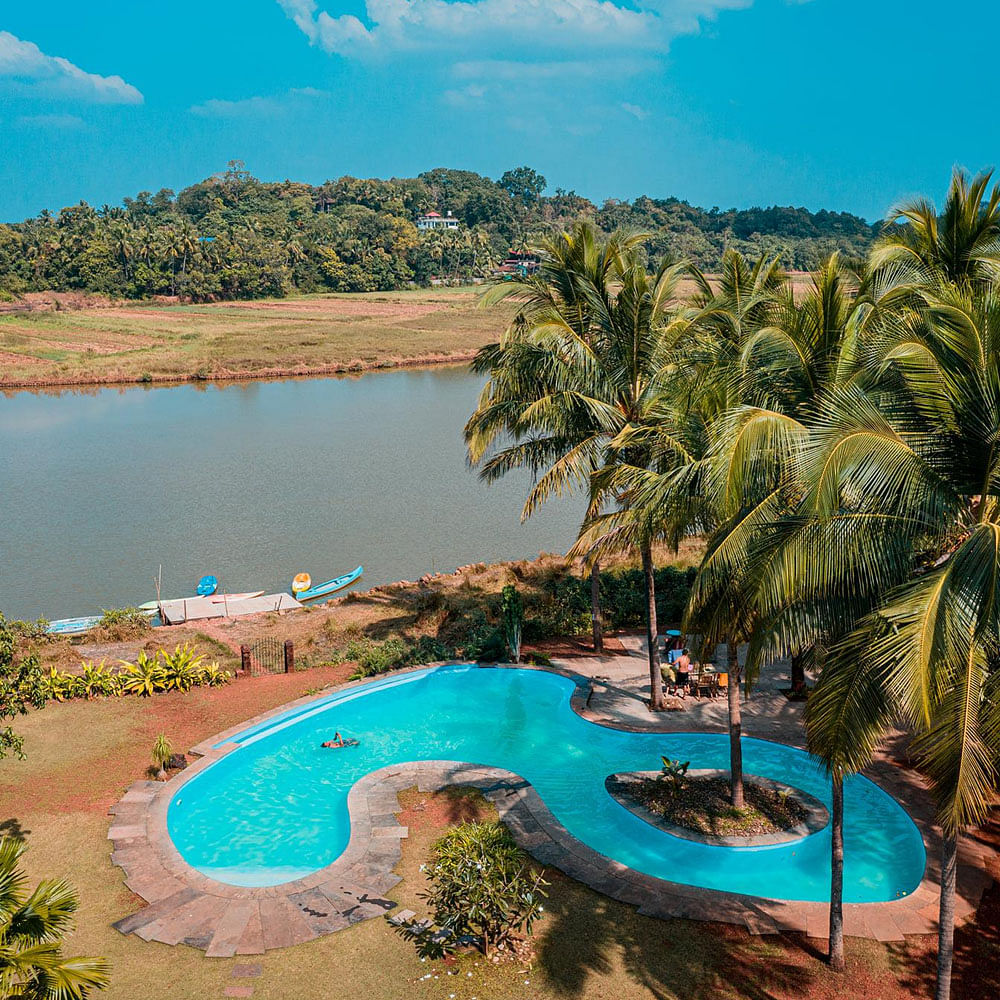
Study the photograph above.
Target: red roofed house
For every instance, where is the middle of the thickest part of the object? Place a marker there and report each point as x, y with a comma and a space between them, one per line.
435, 220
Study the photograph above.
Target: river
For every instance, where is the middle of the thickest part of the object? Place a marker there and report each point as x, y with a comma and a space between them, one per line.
252, 482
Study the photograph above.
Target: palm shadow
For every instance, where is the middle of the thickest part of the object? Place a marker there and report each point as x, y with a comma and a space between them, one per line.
587, 934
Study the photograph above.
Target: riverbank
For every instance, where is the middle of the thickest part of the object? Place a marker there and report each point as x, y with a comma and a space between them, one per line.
78, 342
446, 608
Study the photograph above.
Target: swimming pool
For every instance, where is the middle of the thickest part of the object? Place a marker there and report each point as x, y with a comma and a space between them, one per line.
275, 808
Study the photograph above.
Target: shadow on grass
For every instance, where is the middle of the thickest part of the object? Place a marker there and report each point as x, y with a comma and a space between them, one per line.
976, 969
587, 935
12, 828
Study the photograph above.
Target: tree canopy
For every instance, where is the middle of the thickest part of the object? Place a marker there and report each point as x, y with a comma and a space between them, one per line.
233, 236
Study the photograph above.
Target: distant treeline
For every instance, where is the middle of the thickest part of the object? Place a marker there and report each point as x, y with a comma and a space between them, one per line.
235, 237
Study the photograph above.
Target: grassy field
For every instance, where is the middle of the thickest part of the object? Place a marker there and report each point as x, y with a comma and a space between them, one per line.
62, 339
83, 755
305, 335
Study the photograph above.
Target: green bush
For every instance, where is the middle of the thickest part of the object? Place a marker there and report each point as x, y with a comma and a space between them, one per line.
96, 680
121, 624
36, 631
482, 886
58, 685
512, 621
182, 669
375, 658
144, 677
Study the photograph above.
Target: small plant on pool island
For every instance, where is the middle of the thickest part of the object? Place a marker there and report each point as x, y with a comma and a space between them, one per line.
31, 961
673, 774
162, 752
512, 621
483, 890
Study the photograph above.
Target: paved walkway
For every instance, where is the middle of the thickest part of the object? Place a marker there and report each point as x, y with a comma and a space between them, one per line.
620, 695
224, 920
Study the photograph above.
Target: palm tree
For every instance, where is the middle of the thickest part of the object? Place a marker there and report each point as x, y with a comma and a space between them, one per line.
521, 376
580, 376
918, 448
32, 926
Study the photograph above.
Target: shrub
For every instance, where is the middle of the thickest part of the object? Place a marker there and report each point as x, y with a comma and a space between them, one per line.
182, 669
162, 752
375, 658
95, 680
512, 620
673, 774
144, 677
121, 624
482, 886
58, 685
36, 631
483, 642
213, 676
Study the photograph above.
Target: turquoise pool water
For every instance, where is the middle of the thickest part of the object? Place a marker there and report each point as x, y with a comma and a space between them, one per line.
275, 809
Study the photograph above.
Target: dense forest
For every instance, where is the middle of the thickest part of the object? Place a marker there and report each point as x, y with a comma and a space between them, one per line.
233, 236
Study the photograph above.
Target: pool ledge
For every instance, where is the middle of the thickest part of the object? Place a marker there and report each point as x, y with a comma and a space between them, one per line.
185, 906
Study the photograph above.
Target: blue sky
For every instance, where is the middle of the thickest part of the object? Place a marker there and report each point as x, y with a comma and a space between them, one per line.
844, 104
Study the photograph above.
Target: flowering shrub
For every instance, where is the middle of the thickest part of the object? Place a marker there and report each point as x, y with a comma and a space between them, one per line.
482, 887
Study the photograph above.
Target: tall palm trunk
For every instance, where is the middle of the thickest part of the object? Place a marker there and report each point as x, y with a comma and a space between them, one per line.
798, 674
735, 727
655, 680
946, 916
837, 874
595, 607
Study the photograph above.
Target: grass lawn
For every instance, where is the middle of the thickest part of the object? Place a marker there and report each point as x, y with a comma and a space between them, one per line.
82, 756
302, 335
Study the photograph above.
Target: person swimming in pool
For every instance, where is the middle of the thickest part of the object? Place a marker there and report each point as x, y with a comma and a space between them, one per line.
337, 742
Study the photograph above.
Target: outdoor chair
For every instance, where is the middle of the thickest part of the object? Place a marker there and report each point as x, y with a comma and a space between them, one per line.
721, 683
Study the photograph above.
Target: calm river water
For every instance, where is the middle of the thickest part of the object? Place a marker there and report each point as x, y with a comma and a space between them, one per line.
253, 482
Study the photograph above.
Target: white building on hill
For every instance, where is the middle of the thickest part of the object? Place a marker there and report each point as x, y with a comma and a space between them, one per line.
435, 220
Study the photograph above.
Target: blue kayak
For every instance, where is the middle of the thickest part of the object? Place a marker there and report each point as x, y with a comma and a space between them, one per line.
330, 587
73, 626
207, 586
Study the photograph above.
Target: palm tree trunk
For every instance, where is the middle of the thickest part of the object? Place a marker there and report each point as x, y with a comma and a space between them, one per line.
735, 727
595, 607
655, 680
946, 916
798, 676
837, 875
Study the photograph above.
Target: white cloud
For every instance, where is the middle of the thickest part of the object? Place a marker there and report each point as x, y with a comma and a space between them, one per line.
520, 25
255, 107
32, 71
635, 111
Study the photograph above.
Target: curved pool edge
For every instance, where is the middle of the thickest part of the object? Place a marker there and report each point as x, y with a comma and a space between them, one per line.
188, 906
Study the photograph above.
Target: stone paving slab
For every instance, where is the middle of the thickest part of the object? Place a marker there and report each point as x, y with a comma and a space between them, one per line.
224, 920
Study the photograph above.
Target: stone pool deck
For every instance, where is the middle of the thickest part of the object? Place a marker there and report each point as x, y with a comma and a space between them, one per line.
187, 907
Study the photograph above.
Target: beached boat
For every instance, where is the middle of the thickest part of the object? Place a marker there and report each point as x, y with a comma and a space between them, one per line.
207, 586
330, 587
300, 582
73, 626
